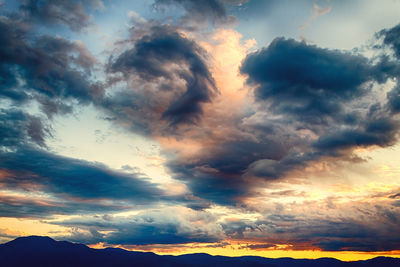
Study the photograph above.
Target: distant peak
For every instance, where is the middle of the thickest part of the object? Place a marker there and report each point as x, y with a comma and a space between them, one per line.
34, 238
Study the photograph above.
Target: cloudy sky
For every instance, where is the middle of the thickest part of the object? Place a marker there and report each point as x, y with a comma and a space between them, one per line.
230, 127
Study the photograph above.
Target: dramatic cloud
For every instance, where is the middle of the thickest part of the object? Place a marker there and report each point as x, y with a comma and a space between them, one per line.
170, 81
18, 129
69, 13
13, 206
320, 91
381, 132
309, 82
47, 68
75, 178
217, 175
394, 99
168, 226
361, 231
391, 38
66, 185
310, 106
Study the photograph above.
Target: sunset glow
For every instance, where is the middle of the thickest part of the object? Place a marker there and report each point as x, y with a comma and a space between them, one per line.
228, 127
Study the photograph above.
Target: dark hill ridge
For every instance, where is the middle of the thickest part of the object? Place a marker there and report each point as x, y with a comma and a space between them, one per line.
44, 251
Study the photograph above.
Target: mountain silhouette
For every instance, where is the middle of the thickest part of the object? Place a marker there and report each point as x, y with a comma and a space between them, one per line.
46, 252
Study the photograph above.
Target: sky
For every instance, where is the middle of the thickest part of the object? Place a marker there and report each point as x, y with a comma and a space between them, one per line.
229, 127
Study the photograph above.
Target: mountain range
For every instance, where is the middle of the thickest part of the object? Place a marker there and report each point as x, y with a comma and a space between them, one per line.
45, 252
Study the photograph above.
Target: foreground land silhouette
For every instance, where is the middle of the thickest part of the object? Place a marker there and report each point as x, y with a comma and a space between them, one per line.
44, 252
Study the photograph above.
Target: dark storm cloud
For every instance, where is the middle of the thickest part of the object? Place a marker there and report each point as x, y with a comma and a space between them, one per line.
157, 233
51, 107
48, 67
10, 46
174, 67
48, 70
391, 38
69, 13
393, 98
218, 175
381, 132
233, 157
333, 143
309, 82
274, 169
18, 128
355, 235
36, 130
210, 184
69, 177
322, 91
30, 207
